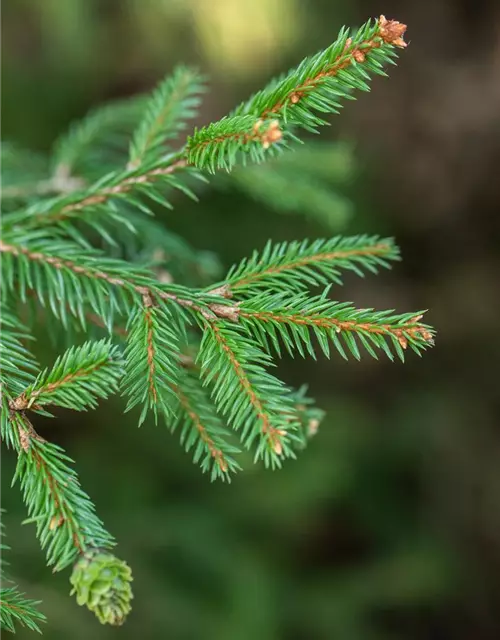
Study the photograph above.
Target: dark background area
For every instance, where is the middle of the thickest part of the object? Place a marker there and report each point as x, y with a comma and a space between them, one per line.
388, 526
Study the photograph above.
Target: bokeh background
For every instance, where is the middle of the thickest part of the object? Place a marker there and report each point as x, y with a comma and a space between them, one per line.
388, 526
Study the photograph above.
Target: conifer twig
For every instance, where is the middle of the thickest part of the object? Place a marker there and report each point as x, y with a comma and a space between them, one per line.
301, 258
131, 284
273, 435
216, 453
15, 607
65, 518
122, 187
173, 102
388, 32
235, 366
266, 137
410, 328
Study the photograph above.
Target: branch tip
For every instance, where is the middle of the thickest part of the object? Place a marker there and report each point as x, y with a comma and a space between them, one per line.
392, 32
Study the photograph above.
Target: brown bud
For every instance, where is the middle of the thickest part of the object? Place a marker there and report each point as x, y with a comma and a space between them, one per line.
272, 134
19, 404
147, 299
427, 336
358, 55
224, 291
25, 440
391, 31
226, 311
403, 341
348, 43
276, 440
56, 521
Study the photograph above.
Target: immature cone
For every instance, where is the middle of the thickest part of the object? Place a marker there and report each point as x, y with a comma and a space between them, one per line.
102, 583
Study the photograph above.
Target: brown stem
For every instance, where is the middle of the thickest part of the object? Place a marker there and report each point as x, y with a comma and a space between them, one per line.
63, 514
215, 452
411, 328
211, 311
148, 303
70, 377
123, 187
273, 435
271, 134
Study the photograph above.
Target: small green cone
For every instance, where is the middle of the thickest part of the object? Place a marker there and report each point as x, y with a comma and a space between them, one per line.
102, 582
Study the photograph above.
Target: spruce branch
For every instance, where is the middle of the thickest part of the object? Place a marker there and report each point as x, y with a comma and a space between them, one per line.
71, 278
253, 401
186, 403
66, 523
297, 265
117, 186
174, 101
15, 607
100, 139
17, 364
321, 81
314, 86
152, 360
125, 184
249, 131
270, 316
78, 378
67, 526
67, 276
220, 145
202, 429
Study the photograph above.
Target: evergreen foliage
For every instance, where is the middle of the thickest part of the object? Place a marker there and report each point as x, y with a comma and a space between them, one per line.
296, 183
198, 356
174, 101
14, 606
97, 143
66, 524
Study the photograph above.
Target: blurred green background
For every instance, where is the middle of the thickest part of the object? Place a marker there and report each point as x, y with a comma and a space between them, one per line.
388, 526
